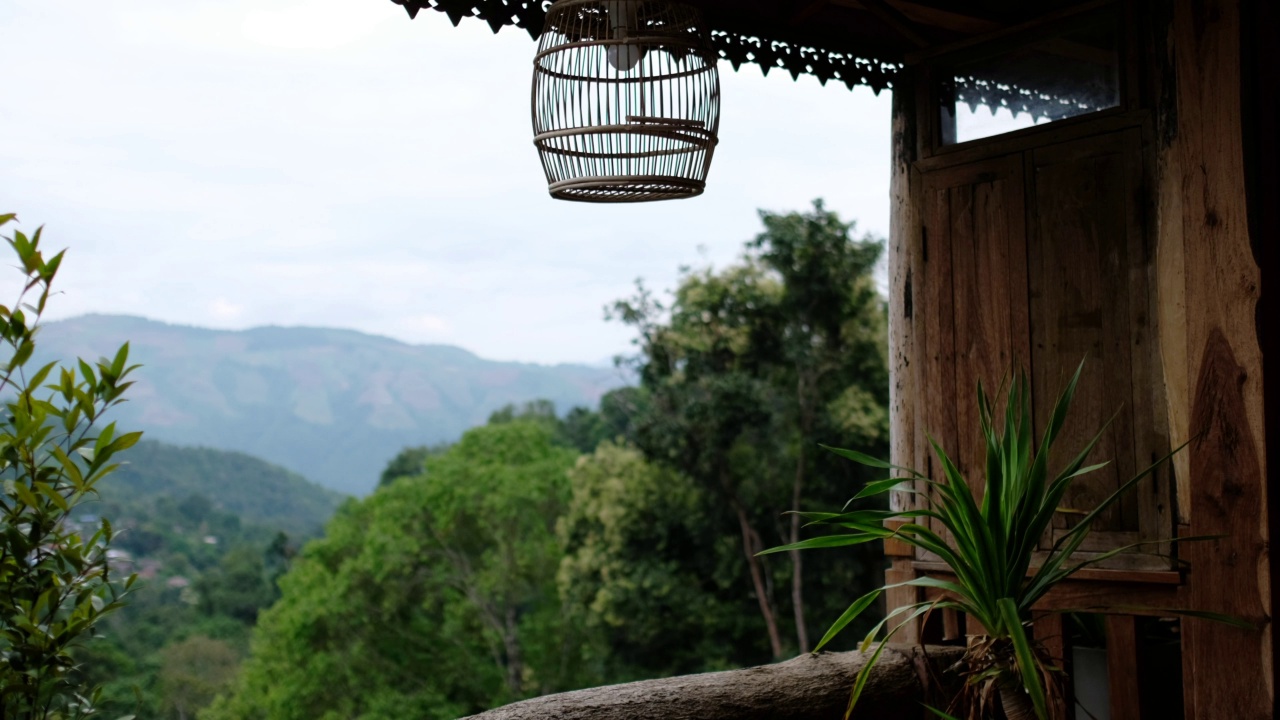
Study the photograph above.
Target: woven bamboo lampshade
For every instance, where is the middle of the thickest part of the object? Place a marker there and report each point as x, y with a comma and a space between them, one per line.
626, 100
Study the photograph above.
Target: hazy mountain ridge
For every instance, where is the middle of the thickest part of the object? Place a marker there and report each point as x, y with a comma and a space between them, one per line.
332, 405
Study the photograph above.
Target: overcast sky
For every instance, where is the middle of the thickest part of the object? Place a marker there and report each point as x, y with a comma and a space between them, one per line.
233, 163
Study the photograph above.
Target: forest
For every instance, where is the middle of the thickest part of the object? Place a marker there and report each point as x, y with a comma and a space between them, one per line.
540, 552
543, 553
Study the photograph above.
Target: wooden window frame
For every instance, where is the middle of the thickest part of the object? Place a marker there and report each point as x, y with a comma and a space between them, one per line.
930, 63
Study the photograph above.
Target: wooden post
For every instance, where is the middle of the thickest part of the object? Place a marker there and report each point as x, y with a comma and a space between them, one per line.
903, 396
1261, 115
1122, 667
1051, 633
1229, 672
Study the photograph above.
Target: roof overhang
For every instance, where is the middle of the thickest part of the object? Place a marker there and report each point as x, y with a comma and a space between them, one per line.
855, 42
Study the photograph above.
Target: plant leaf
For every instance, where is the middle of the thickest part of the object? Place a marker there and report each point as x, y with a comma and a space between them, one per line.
1024, 655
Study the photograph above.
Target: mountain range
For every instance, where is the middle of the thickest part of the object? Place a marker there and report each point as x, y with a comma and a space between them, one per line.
332, 405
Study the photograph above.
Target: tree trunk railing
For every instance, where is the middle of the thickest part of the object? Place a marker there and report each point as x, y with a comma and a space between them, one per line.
809, 687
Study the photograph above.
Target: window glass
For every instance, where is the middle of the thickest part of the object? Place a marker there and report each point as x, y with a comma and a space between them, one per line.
1068, 74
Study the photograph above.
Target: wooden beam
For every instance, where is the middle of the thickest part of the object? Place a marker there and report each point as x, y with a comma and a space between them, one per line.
1046, 23
896, 20
932, 17
808, 10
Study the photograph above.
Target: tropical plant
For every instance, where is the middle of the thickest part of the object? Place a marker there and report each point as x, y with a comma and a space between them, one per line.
55, 578
989, 546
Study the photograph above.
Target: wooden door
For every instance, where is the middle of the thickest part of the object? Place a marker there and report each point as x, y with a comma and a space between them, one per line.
975, 300
1088, 268
1036, 259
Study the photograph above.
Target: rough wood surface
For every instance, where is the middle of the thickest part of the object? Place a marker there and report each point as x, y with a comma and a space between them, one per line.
904, 233
1090, 299
904, 241
1228, 671
806, 688
1123, 667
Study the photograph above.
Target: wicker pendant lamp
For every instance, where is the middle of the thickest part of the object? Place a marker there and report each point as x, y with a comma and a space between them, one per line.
626, 100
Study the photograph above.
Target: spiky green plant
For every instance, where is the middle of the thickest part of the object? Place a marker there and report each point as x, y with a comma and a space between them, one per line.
989, 547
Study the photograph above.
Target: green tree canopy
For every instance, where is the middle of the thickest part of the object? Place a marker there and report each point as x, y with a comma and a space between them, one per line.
645, 570
746, 370
432, 598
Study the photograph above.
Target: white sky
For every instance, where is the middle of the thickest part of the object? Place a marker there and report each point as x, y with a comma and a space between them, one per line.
232, 163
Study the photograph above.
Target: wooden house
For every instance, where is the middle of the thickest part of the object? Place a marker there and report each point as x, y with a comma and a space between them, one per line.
1123, 206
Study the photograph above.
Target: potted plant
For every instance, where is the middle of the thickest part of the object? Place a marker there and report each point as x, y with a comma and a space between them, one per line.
989, 546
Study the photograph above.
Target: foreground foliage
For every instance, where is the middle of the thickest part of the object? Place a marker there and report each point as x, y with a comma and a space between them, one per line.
56, 583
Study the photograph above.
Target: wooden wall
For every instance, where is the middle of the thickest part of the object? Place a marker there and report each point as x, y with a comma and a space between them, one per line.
1192, 306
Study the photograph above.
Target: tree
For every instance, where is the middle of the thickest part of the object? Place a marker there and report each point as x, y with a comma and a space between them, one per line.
748, 368
56, 583
642, 570
827, 329
193, 672
432, 598
238, 588
407, 463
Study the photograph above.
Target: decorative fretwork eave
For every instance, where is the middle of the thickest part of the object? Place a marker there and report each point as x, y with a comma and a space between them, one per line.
853, 42
785, 49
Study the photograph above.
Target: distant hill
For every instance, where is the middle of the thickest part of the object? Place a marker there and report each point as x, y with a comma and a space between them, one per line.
202, 530
253, 490
332, 405
167, 499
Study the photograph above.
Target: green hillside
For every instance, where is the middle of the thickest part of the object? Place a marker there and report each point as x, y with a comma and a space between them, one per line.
332, 405
255, 491
207, 532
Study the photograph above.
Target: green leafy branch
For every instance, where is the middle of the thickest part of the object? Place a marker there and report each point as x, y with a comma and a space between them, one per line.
55, 583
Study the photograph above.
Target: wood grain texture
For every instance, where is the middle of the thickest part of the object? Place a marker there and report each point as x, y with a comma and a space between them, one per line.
1079, 248
900, 571
1122, 667
989, 277
1050, 632
1090, 300
1229, 671
1170, 277
935, 334
1155, 261
1230, 668
807, 688
975, 300
904, 251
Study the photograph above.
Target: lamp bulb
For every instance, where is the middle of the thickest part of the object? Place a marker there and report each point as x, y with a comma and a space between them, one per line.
625, 58
622, 17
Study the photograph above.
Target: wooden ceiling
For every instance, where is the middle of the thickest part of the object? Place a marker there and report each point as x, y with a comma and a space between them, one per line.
857, 42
